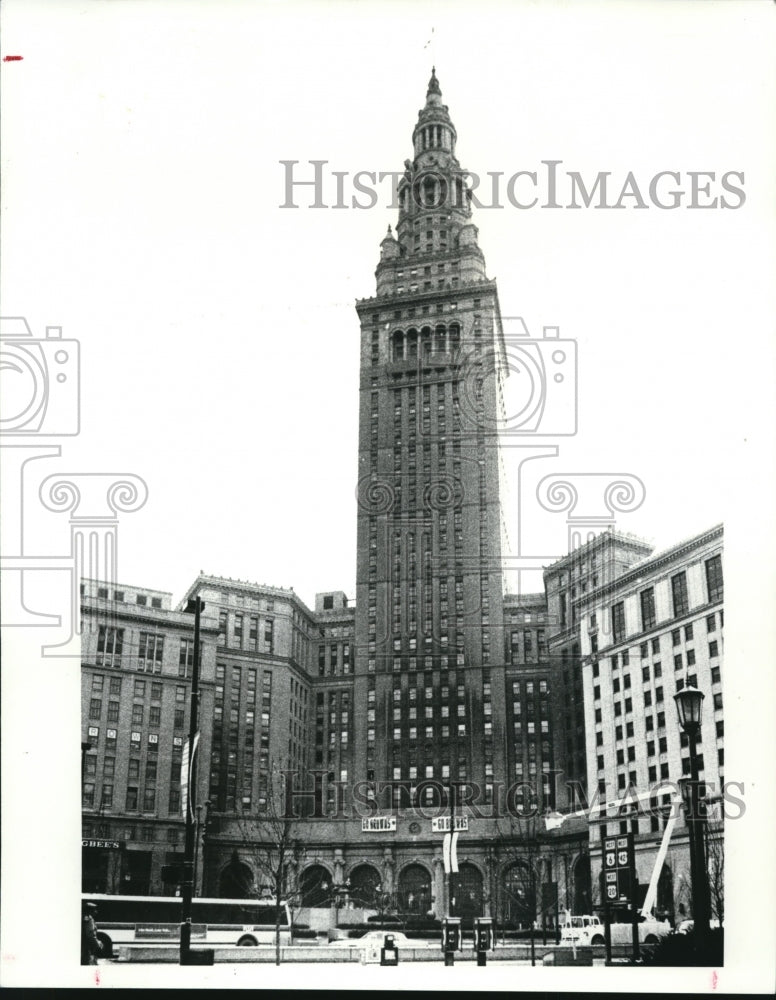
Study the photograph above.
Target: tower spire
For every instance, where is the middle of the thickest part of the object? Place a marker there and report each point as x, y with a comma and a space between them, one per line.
434, 90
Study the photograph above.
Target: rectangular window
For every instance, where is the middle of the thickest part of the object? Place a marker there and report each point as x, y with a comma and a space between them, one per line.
618, 622
714, 578
679, 593
110, 642
150, 652
647, 609
185, 657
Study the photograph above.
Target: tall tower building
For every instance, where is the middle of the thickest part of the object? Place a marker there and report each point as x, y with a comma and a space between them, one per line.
429, 632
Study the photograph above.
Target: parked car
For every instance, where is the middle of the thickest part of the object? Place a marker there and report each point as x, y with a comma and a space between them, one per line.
376, 939
685, 926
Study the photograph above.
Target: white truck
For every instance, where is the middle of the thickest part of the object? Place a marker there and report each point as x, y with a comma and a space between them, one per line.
587, 930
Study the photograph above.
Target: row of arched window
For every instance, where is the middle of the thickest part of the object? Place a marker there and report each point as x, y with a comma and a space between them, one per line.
412, 344
413, 894
433, 190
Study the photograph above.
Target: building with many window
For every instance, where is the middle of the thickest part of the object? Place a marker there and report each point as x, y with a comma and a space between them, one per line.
433, 678
137, 655
645, 635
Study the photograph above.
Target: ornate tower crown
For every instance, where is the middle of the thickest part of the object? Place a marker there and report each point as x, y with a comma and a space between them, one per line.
434, 197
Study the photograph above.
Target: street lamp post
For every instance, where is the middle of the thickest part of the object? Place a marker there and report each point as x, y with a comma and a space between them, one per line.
689, 706
195, 604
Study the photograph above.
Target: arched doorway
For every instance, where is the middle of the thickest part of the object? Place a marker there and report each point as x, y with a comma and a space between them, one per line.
518, 907
583, 899
466, 893
414, 890
316, 886
364, 880
236, 881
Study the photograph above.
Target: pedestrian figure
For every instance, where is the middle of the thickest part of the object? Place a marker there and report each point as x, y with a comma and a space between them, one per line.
90, 943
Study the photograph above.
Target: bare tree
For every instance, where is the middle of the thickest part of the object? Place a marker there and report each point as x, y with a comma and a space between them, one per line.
523, 849
270, 839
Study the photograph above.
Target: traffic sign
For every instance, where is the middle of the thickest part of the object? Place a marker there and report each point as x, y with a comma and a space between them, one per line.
617, 855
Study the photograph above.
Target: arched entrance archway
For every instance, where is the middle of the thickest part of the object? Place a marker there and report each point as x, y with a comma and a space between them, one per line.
518, 907
466, 893
583, 898
414, 889
236, 881
316, 886
364, 880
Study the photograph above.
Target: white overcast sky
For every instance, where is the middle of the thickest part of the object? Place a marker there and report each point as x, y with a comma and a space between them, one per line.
218, 332
219, 340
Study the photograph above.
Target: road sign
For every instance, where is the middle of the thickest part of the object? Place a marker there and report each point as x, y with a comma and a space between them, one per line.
617, 853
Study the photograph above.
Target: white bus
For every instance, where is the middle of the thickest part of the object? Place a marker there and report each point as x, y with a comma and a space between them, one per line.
156, 920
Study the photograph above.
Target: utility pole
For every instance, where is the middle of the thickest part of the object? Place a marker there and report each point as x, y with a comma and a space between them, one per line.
195, 604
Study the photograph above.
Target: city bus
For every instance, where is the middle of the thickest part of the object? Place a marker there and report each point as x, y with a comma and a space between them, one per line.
156, 920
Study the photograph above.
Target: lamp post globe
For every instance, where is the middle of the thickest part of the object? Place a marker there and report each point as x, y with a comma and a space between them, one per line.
689, 708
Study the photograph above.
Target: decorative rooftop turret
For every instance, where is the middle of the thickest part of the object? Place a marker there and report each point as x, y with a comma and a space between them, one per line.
434, 201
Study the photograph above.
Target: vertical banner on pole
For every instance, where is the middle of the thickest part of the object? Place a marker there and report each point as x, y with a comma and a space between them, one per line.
188, 785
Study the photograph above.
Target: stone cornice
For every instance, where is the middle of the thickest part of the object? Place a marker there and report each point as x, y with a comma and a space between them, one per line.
462, 290
650, 566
